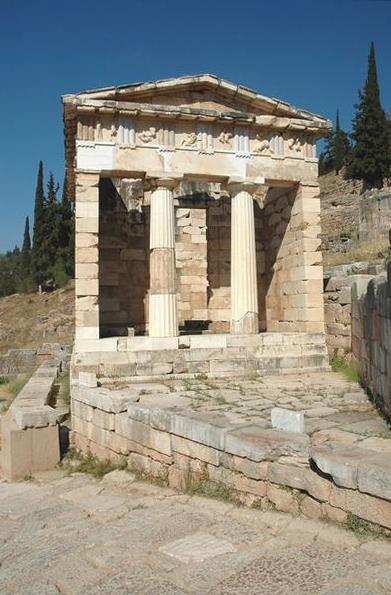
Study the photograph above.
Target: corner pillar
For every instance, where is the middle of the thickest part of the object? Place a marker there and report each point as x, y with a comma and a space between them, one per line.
86, 256
244, 291
162, 292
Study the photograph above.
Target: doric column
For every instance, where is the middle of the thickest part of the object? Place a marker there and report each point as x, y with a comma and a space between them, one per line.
244, 291
162, 295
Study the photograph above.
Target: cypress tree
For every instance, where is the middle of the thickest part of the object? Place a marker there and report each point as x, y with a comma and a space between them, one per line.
25, 258
51, 225
68, 231
336, 152
371, 155
340, 146
39, 260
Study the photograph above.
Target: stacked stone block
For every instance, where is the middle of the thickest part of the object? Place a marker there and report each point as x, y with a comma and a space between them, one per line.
87, 258
371, 335
337, 311
191, 262
123, 265
259, 467
219, 264
294, 271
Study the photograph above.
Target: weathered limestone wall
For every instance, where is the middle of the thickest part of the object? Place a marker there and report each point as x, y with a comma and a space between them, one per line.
294, 271
337, 312
375, 215
142, 357
19, 361
191, 262
123, 264
219, 264
259, 467
371, 335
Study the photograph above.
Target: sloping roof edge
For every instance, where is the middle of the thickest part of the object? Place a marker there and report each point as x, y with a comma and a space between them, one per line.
276, 106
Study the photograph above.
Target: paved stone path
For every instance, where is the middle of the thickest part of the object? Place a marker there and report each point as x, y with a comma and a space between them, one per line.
75, 534
329, 401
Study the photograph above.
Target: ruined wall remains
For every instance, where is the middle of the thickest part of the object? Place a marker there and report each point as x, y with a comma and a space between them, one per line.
337, 314
375, 215
371, 335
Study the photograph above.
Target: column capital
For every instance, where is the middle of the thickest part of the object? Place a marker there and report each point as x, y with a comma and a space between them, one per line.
235, 185
163, 180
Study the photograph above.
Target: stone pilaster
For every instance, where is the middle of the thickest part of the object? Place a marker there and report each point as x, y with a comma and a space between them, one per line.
87, 256
244, 293
162, 294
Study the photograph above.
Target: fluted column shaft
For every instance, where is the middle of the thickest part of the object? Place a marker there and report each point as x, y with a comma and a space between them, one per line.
244, 290
162, 295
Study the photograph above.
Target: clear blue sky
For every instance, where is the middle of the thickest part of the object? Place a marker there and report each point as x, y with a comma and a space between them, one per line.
308, 52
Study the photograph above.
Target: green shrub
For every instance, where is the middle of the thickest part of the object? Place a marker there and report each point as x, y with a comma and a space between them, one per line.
345, 367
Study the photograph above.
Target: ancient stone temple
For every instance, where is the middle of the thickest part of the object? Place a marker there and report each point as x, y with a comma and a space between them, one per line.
197, 229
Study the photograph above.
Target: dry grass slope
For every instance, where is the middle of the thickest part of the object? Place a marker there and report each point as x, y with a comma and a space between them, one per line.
26, 320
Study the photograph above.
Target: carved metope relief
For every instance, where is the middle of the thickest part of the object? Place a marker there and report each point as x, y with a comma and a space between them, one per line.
225, 138
190, 140
148, 135
294, 145
263, 145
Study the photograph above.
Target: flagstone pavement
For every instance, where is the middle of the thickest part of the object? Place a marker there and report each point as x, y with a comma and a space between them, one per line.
74, 534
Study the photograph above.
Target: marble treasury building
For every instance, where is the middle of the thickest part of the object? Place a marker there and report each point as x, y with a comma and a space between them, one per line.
197, 230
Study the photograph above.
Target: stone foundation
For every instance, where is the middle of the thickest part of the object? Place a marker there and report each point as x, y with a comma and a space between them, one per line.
137, 358
163, 439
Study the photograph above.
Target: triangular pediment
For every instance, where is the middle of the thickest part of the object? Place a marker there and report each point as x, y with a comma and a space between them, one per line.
201, 92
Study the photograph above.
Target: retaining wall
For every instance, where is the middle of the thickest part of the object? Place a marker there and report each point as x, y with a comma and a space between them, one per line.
371, 335
259, 467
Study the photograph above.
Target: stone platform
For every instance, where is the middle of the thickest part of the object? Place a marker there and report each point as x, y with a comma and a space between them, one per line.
140, 358
202, 432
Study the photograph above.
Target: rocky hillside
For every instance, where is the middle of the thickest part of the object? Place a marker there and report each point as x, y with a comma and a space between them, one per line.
32, 319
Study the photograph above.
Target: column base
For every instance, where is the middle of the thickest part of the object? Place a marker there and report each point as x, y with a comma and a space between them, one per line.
248, 325
163, 315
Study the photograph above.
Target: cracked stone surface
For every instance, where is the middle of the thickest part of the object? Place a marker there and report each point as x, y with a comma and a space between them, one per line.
76, 534
334, 408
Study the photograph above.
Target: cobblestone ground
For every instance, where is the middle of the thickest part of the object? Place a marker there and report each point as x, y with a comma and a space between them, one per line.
75, 534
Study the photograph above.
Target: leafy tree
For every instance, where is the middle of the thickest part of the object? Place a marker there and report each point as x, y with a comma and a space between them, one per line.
9, 272
371, 155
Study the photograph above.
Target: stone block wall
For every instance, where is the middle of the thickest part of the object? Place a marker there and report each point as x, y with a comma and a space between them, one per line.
191, 262
123, 264
371, 335
294, 271
258, 467
375, 215
337, 312
112, 260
